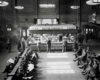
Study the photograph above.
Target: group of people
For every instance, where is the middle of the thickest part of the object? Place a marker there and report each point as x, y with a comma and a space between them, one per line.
28, 66
88, 61
48, 40
11, 64
21, 44
48, 45
64, 45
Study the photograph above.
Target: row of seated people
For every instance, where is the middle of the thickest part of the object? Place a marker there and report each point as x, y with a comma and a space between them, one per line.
28, 67
11, 64
89, 62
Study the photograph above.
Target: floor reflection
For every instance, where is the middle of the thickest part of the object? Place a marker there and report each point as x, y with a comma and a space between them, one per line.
57, 63
59, 68
60, 71
57, 55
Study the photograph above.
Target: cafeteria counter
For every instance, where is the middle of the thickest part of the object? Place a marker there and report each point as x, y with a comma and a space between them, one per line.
57, 46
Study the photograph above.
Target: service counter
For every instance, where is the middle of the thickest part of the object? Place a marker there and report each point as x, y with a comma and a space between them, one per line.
55, 46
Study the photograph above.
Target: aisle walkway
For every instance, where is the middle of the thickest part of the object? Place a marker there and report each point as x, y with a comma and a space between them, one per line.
58, 66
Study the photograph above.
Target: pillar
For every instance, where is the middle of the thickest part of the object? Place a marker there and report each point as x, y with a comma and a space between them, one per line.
26, 33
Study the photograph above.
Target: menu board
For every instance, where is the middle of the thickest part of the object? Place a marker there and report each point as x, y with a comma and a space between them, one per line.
52, 27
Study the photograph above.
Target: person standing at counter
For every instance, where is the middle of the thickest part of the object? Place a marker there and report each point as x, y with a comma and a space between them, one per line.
24, 43
64, 44
38, 45
49, 45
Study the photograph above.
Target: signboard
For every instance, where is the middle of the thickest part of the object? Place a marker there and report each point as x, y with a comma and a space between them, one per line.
52, 27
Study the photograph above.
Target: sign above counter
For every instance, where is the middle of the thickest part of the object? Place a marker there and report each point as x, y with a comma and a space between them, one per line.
52, 27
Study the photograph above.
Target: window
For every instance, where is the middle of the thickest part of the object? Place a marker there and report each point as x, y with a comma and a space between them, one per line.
47, 21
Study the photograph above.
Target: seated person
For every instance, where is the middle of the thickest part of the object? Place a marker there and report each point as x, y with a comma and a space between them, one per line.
90, 52
10, 66
78, 52
92, 70
81, 58
75, 46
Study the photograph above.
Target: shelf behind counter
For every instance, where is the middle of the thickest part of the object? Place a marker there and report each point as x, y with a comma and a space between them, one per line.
55, 46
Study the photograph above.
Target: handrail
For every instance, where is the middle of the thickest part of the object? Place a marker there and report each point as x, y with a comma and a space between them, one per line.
10, 75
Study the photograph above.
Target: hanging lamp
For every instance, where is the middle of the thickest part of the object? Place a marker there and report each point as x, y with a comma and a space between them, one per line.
3, 3
75, 7
18, 6
90, 2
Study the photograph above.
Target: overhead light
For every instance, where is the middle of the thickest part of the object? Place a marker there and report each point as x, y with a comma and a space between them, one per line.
90, 2
94, 14
3, 3
97, 1
47, 5
19, 7
74, 7
8, 29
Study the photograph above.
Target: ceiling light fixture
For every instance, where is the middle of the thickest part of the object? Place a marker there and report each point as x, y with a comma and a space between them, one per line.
47, 5
96, 1
75, 7
3, 3
90, 2
19, 7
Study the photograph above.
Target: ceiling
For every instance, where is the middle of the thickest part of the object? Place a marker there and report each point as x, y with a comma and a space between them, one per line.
31, 11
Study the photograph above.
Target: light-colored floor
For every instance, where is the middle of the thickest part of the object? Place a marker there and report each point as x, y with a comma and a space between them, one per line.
52, 66
58, 66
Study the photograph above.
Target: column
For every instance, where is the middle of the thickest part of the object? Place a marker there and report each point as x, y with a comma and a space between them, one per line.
21, 32
26, 33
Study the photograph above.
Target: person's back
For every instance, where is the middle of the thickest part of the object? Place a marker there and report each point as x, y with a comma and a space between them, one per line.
80, 39
64, 43
38, 45
23, 43
49, 43
79, 53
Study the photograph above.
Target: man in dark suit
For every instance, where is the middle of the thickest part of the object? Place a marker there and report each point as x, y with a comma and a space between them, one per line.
49, 45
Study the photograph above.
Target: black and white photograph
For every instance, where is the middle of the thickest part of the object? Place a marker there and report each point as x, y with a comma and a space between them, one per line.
49, 39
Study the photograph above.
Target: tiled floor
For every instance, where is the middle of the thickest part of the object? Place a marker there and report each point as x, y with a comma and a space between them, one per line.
52, 66
58, 66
